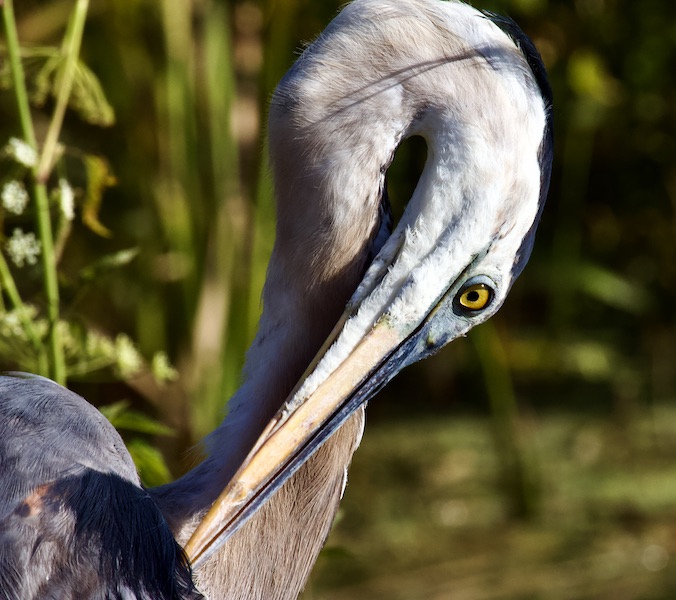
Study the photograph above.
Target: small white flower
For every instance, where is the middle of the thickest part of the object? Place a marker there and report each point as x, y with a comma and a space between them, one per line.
10, 325
129, 360
67, 197
23, 248
99, 346
21, 152
14, 197
162, 369
12, 322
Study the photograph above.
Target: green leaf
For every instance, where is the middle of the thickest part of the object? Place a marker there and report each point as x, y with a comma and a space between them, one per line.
113, 411
612, 289
589, 77
87, 97
108, 263
121, 417
88, 100
99, 177
150, 463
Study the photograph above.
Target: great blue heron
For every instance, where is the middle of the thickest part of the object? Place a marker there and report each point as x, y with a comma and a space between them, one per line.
75, 521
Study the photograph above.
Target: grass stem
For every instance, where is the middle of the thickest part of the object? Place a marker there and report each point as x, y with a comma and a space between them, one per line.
23, 107
16, 68
7, 283
71, 50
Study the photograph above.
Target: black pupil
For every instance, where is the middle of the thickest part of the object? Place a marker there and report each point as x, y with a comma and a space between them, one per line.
473, 296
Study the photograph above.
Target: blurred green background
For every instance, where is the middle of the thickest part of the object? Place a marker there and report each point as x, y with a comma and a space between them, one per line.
534, 459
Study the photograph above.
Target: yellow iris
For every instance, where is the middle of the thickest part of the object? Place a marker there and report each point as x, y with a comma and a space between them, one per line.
475, 297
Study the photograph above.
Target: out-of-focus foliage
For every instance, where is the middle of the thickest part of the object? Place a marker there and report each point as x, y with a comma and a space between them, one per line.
587, 333
422, 518
43, 71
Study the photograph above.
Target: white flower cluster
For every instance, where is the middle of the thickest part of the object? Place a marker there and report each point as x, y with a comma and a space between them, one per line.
23, 248
162, 369
67, 198
99, 345
21, 152
14, 197
11, 325
129, 360
121, 353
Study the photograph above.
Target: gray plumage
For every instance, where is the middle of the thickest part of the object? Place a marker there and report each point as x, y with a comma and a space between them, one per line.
74, 519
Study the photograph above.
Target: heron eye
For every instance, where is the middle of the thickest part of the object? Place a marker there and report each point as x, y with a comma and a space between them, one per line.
475, 297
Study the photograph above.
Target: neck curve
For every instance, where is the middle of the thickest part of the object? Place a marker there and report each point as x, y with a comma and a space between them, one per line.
335, 122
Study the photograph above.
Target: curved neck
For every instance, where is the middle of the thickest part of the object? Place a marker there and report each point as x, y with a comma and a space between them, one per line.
335, 122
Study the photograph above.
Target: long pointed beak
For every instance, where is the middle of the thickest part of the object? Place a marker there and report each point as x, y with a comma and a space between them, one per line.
312, 413
321, 402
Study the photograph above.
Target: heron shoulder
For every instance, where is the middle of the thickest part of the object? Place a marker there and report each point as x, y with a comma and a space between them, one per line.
73, 515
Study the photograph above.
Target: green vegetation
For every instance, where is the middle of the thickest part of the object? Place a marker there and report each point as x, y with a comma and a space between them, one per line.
421, 518
533, 460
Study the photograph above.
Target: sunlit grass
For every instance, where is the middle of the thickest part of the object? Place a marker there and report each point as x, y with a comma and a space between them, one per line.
424, 517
